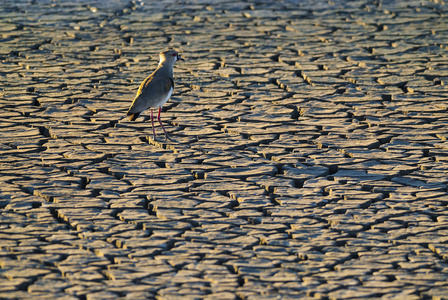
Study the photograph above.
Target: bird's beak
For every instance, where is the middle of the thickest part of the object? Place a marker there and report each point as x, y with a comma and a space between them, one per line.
180, 58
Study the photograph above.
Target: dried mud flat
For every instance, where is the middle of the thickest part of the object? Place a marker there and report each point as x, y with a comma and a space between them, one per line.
310, 159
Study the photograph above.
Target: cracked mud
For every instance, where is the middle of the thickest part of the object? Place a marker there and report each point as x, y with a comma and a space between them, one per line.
310, 154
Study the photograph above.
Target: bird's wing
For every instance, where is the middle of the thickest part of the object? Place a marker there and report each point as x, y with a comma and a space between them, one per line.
151, 91
155, 88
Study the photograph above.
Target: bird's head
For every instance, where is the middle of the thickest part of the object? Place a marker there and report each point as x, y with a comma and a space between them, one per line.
170, 56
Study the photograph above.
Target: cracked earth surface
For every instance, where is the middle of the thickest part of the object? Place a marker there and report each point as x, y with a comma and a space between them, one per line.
309, 162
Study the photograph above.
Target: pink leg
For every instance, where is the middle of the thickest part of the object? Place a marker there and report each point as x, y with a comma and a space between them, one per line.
158, 118
152, 122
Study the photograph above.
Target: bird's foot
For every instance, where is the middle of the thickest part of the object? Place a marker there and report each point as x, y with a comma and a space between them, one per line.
170, 139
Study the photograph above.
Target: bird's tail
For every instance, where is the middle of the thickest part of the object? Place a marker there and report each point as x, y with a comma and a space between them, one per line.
133, 116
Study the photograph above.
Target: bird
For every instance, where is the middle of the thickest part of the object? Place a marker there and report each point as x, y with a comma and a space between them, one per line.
156, 89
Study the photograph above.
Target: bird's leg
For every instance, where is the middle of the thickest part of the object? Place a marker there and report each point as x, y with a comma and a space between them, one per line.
158, 118
153, 130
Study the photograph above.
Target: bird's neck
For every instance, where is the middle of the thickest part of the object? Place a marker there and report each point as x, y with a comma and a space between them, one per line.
168, 67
